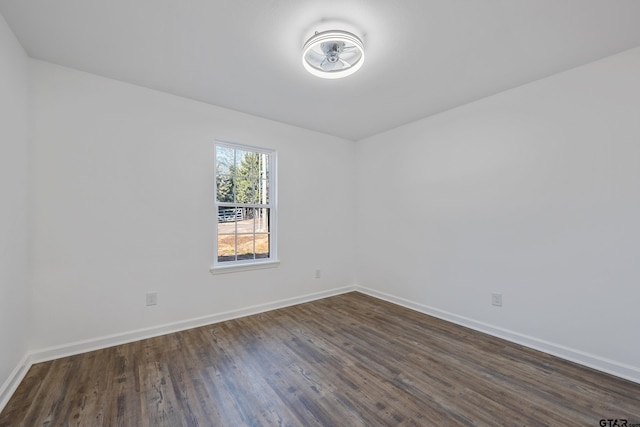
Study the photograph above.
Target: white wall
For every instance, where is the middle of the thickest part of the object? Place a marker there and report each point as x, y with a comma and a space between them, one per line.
534, 193
123, 190
14, 308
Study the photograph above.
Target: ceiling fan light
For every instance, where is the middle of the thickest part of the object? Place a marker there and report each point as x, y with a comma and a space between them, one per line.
333, 54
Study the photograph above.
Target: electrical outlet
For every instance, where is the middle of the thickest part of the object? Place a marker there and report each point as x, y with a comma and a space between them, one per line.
496, 299
152, 298
317, 274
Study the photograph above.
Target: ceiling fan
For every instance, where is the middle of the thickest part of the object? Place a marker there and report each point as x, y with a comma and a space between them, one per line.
333, 54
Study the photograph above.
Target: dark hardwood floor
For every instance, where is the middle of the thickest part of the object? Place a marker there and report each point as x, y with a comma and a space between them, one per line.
348, 360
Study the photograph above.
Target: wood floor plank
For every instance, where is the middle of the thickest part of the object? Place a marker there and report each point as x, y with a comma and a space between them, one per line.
346, 360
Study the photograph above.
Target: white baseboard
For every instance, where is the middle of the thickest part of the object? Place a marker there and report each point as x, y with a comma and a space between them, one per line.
631, 373
51, 353
612, 367
15, 378
78, 347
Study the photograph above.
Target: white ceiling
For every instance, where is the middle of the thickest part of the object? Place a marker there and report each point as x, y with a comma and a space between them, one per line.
423, 56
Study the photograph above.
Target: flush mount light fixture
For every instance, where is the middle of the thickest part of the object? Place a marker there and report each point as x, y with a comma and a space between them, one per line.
333, 54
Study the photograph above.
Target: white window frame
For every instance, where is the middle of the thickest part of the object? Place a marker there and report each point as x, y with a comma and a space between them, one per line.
219, 267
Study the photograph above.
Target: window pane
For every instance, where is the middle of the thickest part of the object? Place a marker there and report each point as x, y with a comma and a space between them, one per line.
246, 246
226, 247
244, 190
263, 192
255, 187
262, 245
263, 167
243, 162
261, 220
244, 223
224, 160
229, 215
224, 188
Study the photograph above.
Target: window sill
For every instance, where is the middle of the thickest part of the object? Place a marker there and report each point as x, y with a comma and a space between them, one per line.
244, 267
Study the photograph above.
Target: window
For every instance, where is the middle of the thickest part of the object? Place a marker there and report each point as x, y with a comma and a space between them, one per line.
245, 204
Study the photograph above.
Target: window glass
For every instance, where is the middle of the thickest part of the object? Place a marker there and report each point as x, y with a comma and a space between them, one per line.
244, 181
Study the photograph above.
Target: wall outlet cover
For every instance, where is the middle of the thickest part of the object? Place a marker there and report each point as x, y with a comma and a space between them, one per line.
152, 298
496, 299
